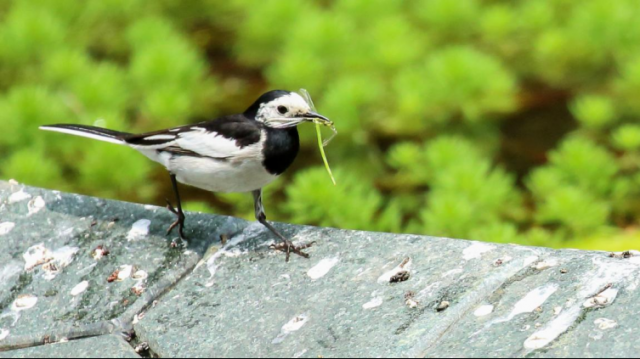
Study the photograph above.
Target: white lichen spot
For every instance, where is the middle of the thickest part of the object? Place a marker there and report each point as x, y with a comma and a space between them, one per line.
10, 270
557, 310
19, 196
549, 263
65, 255
300, 353
99, 253
531, 301
139, 230
483, 311
3, 334
62, 258
24, 302
373, 303
603, 299
530, 260
214, 253
6, 227
292, 326
402, 267
605, 324
453, 272
139, 288
36, 205
476, 250
553, 330
429, 291
411, 303
596, 335
80, 288
124, 272
140, 275
35, 256
322, 268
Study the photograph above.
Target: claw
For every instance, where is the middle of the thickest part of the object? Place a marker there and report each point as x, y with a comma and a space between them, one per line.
179, 222
287, 247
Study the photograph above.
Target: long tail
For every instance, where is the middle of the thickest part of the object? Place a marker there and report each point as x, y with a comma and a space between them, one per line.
95, 133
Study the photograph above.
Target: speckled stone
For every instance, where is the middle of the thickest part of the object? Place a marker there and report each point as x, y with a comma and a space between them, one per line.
353, 310
108, 346
81, 224
360, 294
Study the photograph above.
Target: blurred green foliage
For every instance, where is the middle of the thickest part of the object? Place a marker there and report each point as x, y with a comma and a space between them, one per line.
425, 93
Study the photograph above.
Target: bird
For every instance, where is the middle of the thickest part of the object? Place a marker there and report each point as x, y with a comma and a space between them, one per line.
234, 153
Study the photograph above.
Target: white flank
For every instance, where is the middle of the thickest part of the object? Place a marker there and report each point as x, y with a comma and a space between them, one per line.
3, 334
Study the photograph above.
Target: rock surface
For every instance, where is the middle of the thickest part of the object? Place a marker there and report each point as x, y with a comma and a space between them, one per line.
105, 346
360, 294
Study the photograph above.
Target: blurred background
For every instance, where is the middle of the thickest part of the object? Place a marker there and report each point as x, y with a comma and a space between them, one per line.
503, 121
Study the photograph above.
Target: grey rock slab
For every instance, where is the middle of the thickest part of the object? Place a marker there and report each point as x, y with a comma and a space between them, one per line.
245, 301
107, 346
51, 284
360, 294
572, 304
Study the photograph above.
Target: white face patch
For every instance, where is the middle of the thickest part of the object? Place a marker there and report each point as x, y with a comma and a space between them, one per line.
293, 106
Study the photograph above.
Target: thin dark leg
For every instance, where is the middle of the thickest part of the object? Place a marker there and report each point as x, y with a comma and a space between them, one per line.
181, 217
286, 245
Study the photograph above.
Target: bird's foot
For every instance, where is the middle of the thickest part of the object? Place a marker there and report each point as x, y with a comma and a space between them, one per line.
179, 222
288, 247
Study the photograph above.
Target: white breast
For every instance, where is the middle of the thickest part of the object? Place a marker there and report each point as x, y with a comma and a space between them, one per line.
220, 176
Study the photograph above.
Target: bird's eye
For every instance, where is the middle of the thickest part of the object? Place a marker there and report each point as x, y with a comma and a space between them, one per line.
282, 109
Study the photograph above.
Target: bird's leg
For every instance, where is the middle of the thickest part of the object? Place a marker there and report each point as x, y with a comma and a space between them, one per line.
178, 212
286, 245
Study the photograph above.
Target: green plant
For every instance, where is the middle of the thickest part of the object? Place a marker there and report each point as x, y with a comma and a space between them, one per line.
429, 97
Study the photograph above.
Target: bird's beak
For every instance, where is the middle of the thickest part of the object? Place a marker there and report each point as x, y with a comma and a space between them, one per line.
312, 116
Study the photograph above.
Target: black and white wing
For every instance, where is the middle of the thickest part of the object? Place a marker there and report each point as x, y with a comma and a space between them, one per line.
225, 138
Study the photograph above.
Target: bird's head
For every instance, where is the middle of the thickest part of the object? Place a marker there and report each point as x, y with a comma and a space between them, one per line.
283, 109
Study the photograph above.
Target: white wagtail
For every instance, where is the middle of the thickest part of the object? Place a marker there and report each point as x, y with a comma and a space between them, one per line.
235, 153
